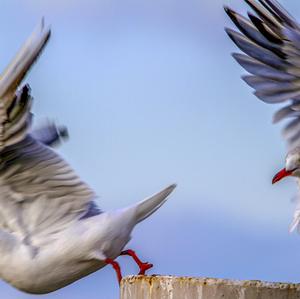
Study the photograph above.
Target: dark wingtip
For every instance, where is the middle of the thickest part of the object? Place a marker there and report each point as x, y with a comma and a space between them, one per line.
236, 55
230, 12
258, 23
227, 9
63, 132
230, 32
263, 97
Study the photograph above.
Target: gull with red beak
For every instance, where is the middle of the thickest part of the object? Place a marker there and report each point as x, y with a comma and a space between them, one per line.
270, 40
292, 166
281, 174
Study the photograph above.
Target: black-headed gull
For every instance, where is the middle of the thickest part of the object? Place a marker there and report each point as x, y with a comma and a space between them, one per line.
51, 231
270, 38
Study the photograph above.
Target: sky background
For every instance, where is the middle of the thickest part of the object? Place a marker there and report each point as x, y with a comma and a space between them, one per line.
151, 96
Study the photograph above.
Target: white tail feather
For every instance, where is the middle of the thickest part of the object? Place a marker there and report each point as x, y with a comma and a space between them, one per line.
149, 205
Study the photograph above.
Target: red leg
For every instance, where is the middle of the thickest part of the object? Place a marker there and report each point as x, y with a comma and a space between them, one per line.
143, 266
117, 268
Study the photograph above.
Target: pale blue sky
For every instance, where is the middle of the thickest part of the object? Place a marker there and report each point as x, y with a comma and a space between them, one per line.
151, 96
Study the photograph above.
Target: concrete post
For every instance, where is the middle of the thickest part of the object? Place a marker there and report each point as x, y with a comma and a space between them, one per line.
169, 287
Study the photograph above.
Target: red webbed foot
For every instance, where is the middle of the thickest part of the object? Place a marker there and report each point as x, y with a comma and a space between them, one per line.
144, 266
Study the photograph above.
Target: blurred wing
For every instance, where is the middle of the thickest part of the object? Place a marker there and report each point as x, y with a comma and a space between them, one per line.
50, 134
15, 115
40, 193
270, 39
295, 225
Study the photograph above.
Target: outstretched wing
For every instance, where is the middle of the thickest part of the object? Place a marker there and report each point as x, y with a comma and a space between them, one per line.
15, 115
50, 134
270, 39
40, 194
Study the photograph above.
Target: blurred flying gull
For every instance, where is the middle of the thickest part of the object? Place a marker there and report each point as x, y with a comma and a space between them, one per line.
270, 39
52, 232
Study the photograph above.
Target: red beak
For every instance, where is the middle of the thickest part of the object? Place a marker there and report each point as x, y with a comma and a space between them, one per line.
281, 174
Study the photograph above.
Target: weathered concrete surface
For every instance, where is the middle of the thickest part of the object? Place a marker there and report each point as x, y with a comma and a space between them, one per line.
169, 287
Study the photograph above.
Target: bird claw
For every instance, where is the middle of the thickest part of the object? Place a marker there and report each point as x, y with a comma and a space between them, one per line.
144, 267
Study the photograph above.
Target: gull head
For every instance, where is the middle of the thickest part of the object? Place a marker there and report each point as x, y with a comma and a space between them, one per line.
292, 166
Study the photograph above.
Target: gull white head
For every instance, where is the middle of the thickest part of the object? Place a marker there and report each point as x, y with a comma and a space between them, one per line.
292, 166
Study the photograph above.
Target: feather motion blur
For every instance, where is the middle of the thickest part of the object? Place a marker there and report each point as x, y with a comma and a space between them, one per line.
52, 231
270, 39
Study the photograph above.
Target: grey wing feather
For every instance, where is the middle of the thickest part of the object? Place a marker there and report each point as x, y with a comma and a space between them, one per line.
285, 112
40, 192
256, 51
15, 115
271, 43
255, 67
